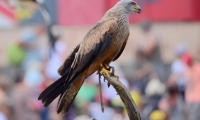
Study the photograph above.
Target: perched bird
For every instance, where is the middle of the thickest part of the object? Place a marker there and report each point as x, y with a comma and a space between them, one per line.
103, 44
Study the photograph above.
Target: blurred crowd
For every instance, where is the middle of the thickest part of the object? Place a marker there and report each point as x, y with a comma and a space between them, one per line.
161, 91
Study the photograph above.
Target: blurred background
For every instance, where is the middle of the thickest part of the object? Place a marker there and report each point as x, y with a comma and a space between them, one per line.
160, 64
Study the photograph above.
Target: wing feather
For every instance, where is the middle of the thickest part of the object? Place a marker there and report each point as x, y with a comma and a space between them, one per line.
66, 65
92, 47
122, 49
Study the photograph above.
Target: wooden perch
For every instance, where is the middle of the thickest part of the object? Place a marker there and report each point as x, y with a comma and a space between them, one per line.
125, 96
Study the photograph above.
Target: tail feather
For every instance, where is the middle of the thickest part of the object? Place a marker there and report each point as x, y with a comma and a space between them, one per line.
53, 96
51, 88
53, 91
68, 97
63, 108
59, 87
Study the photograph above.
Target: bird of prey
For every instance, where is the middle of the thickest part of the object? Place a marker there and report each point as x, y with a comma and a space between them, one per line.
103, 44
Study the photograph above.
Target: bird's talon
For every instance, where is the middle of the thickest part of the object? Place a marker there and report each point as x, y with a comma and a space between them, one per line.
112, 73
107, 67
112, 69
104, 70
116, 76
108, 84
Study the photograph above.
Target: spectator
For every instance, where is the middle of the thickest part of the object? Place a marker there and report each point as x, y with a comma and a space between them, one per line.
172, 104
5, 108
95, 110
178, 68
192, 95
25, 105
153, 93
31, 45
119, 114
152, 52
138, 71
2, 105
143, 68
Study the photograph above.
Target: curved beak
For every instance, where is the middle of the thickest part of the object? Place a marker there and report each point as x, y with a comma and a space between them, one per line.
137, 9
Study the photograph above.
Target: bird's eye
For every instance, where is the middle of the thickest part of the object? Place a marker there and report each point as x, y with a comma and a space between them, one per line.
133, 3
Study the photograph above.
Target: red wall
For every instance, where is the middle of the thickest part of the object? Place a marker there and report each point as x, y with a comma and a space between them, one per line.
81, 12
196, 9
166, 10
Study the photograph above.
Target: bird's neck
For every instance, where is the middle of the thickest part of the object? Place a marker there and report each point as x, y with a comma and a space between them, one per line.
117, 13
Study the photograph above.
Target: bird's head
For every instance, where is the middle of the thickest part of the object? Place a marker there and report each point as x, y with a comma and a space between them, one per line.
130, 6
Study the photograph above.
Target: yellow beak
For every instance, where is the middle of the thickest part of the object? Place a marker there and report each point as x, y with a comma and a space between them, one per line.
137, 9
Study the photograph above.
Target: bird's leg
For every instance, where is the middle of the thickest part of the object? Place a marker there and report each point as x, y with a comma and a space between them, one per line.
104, 69
106, 66
100, 72
112, 73
102, 106
112, 69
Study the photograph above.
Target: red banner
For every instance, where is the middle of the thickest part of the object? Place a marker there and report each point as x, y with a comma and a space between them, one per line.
78, 12
166, 10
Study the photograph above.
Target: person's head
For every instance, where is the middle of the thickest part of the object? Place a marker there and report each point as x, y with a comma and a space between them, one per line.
119, 109
180, 50
187, 59
146, 26
139, 54
172, 89
40, 30
5, 82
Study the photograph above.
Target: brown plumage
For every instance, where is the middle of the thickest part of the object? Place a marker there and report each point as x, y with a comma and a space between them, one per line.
103, 44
